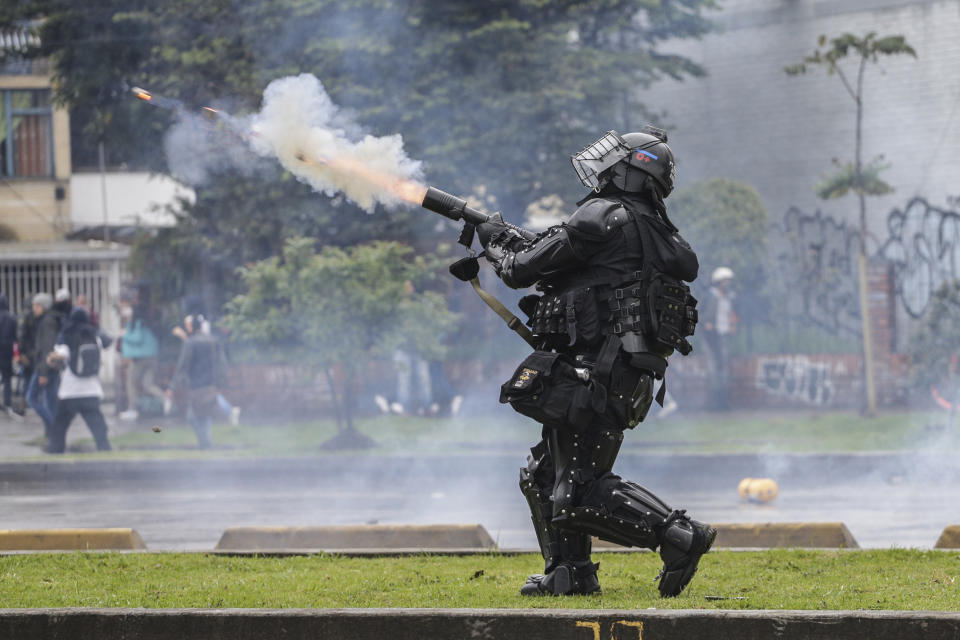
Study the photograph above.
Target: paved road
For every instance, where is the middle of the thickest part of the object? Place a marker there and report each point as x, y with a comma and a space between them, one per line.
885, 499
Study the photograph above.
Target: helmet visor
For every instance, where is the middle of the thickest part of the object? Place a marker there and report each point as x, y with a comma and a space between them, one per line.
596, 158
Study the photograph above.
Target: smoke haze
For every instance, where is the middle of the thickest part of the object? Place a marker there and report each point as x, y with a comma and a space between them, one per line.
312, 138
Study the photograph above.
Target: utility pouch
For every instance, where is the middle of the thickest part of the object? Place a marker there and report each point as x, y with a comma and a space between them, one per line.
568, 318
672, 312
587, 315
548, 388
630, 394
528, 304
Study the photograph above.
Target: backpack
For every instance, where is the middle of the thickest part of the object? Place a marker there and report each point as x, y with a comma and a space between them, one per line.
85, 355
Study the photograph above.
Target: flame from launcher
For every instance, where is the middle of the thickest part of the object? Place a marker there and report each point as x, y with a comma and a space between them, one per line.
408, 191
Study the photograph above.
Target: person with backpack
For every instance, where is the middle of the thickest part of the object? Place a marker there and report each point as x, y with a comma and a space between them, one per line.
78, 351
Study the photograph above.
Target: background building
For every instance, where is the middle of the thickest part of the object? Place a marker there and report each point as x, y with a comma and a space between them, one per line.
56, 226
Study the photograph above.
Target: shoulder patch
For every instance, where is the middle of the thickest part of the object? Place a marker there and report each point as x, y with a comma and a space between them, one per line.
598, 217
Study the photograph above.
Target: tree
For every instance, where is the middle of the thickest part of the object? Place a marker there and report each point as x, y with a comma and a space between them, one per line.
862, 179
725, 222
492, 93
337, 309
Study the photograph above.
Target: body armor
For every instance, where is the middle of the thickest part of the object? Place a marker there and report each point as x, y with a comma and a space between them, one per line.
612, 305
608, 271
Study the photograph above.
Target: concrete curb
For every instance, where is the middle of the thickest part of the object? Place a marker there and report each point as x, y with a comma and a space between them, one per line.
456, 624
70, 539
767, 535
353, 537
950, 538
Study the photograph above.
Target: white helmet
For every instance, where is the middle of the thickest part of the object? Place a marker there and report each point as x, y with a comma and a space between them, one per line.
721, 273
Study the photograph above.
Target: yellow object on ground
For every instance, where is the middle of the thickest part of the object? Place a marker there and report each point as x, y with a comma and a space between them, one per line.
758, 489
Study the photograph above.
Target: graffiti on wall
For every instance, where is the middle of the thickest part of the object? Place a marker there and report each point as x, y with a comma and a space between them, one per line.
924, 248
796, 377
818, 263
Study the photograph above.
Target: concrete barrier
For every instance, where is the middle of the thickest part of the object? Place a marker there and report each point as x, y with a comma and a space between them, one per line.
386, 537
456, 624
833, 535
765, 535
69, 539
950, 538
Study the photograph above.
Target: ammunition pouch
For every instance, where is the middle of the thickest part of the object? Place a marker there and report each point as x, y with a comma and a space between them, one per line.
550, 389
660, 308
565, 319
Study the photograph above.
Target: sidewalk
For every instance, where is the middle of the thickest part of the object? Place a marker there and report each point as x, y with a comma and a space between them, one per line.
20, 437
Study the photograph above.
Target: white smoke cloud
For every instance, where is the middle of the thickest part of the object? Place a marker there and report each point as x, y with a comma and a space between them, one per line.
300, 126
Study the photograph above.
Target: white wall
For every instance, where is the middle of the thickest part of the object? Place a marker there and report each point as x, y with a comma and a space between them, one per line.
132, 198
749, 121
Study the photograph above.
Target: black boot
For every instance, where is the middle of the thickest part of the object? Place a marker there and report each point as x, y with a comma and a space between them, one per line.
566, 579
683, 542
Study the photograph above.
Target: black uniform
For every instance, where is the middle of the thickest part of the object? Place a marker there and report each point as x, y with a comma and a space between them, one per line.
613, 307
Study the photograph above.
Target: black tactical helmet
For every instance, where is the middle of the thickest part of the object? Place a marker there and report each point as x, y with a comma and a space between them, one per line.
626, 160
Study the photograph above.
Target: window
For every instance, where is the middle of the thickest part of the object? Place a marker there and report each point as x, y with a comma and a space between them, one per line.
26, 133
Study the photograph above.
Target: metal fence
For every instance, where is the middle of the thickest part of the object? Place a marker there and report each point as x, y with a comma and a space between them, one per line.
97, 277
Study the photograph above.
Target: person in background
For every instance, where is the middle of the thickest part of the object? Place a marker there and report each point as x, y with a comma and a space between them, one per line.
229, 411
719, 324
8, 336
42, 392
77, 352
26, 345
62, 304
201, 368
82, 301
139, 348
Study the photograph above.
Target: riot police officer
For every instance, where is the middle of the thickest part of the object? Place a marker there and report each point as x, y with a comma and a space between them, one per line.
613, 304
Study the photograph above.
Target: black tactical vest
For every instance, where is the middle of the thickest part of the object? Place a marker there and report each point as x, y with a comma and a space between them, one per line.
633, 286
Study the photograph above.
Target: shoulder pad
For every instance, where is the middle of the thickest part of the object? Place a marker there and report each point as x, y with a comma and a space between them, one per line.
598, 217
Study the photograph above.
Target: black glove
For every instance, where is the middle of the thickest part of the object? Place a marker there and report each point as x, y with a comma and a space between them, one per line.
492, 228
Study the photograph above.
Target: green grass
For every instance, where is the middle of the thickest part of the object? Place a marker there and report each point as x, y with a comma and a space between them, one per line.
767, 432
776, 579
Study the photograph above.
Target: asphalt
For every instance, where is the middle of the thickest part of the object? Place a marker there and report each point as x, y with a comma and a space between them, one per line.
885, 499
481, 624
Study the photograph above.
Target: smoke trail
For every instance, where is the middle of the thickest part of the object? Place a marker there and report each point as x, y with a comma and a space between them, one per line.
300, 126
195, 150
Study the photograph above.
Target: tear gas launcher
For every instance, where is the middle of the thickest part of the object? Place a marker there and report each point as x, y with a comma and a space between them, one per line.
452, 207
